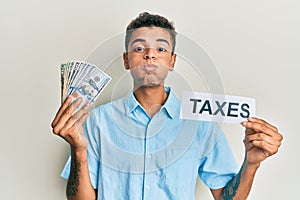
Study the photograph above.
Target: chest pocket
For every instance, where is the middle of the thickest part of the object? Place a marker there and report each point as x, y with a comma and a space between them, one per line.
182, 170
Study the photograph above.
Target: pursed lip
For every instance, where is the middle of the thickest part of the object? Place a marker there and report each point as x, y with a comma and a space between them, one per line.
149, 67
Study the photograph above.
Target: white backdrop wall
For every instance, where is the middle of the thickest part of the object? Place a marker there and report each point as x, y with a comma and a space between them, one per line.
255, 46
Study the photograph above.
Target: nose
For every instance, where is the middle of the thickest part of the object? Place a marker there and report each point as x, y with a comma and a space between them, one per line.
150, 53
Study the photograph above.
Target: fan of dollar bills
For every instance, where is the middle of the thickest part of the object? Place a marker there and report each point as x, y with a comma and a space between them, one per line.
82, 79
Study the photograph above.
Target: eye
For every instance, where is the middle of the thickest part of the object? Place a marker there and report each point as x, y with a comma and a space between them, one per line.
161, 49
139, 49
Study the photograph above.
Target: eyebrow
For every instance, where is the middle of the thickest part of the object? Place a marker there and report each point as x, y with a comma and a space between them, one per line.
137, 40
143, 40
163, 40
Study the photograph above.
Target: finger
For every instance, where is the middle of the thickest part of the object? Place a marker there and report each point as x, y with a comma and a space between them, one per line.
61, 110
258, 127
267, 148
83, 118
263, 137
73, 125
248, 144
249, 131
261, 121
66, 116
69, 111
81, 111
75, 119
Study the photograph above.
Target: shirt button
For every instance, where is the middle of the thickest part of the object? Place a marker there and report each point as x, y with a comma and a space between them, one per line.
148, 187
149, 156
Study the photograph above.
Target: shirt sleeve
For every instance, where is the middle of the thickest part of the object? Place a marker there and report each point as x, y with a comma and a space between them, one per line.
92, 153
219, 166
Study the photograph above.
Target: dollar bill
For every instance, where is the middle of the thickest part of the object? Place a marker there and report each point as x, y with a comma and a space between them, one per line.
82, 79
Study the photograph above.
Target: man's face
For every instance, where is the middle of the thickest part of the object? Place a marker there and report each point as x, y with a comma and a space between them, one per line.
149, 56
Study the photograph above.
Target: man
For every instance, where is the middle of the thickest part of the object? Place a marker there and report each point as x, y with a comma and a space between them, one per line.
131, 148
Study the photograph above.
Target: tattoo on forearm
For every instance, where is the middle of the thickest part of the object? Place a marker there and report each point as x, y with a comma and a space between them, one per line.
231, 187
73, 182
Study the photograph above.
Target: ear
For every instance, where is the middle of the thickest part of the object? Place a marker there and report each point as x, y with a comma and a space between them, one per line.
172, 63
125, 61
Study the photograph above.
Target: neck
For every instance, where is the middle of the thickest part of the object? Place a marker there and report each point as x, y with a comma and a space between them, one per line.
151, 98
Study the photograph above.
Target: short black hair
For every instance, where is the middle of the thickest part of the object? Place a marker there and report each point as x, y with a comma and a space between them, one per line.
150, 20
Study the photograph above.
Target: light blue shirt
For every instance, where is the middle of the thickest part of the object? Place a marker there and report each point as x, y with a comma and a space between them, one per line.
133, 156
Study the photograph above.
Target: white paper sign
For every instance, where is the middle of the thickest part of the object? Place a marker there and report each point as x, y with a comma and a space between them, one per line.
215, 107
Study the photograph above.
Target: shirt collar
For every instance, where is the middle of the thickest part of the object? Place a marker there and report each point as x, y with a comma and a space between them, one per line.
171, 106
132, 103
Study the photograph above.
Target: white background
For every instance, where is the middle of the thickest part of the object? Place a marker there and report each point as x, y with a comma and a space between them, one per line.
255, 46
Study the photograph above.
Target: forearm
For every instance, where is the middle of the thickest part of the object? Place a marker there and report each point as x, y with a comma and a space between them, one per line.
79, 185
261, 141
239, 187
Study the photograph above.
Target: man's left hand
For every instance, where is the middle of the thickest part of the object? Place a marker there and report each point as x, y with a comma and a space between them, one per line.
261, 140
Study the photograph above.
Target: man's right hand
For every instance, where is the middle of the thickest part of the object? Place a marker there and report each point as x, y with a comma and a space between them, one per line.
68, 124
